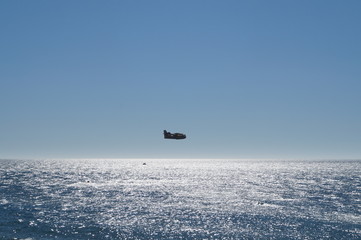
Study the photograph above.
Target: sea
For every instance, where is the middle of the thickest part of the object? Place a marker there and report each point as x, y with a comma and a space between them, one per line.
180, 199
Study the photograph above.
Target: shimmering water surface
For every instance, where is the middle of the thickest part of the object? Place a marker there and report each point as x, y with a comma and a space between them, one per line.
179, 199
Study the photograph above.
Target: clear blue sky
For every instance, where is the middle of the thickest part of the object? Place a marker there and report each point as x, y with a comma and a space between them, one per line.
243, 79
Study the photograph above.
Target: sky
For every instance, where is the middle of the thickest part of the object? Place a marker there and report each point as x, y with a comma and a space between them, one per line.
242, 79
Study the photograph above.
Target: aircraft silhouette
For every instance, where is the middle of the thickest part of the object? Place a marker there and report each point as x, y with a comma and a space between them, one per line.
177, 136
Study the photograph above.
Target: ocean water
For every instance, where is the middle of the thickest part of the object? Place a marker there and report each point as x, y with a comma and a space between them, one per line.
179, 199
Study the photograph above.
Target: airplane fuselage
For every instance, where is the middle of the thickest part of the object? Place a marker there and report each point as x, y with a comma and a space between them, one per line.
177, 136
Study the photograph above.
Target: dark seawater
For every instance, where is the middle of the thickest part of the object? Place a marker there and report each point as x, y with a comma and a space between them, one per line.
180, 199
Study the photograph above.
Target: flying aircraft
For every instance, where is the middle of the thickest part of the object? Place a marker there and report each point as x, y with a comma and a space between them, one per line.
176, 136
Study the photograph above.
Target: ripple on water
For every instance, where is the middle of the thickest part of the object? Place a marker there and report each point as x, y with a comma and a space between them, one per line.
179, 199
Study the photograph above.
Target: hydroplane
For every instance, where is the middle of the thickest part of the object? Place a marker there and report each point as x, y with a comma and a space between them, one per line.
177, 136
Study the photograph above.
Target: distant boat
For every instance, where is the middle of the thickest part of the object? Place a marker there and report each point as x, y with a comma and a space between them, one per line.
177, 136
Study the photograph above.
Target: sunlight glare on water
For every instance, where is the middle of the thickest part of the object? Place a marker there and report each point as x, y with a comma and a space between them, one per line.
179, 199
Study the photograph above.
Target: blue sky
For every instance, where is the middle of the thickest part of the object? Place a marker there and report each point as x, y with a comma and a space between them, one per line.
243, 79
